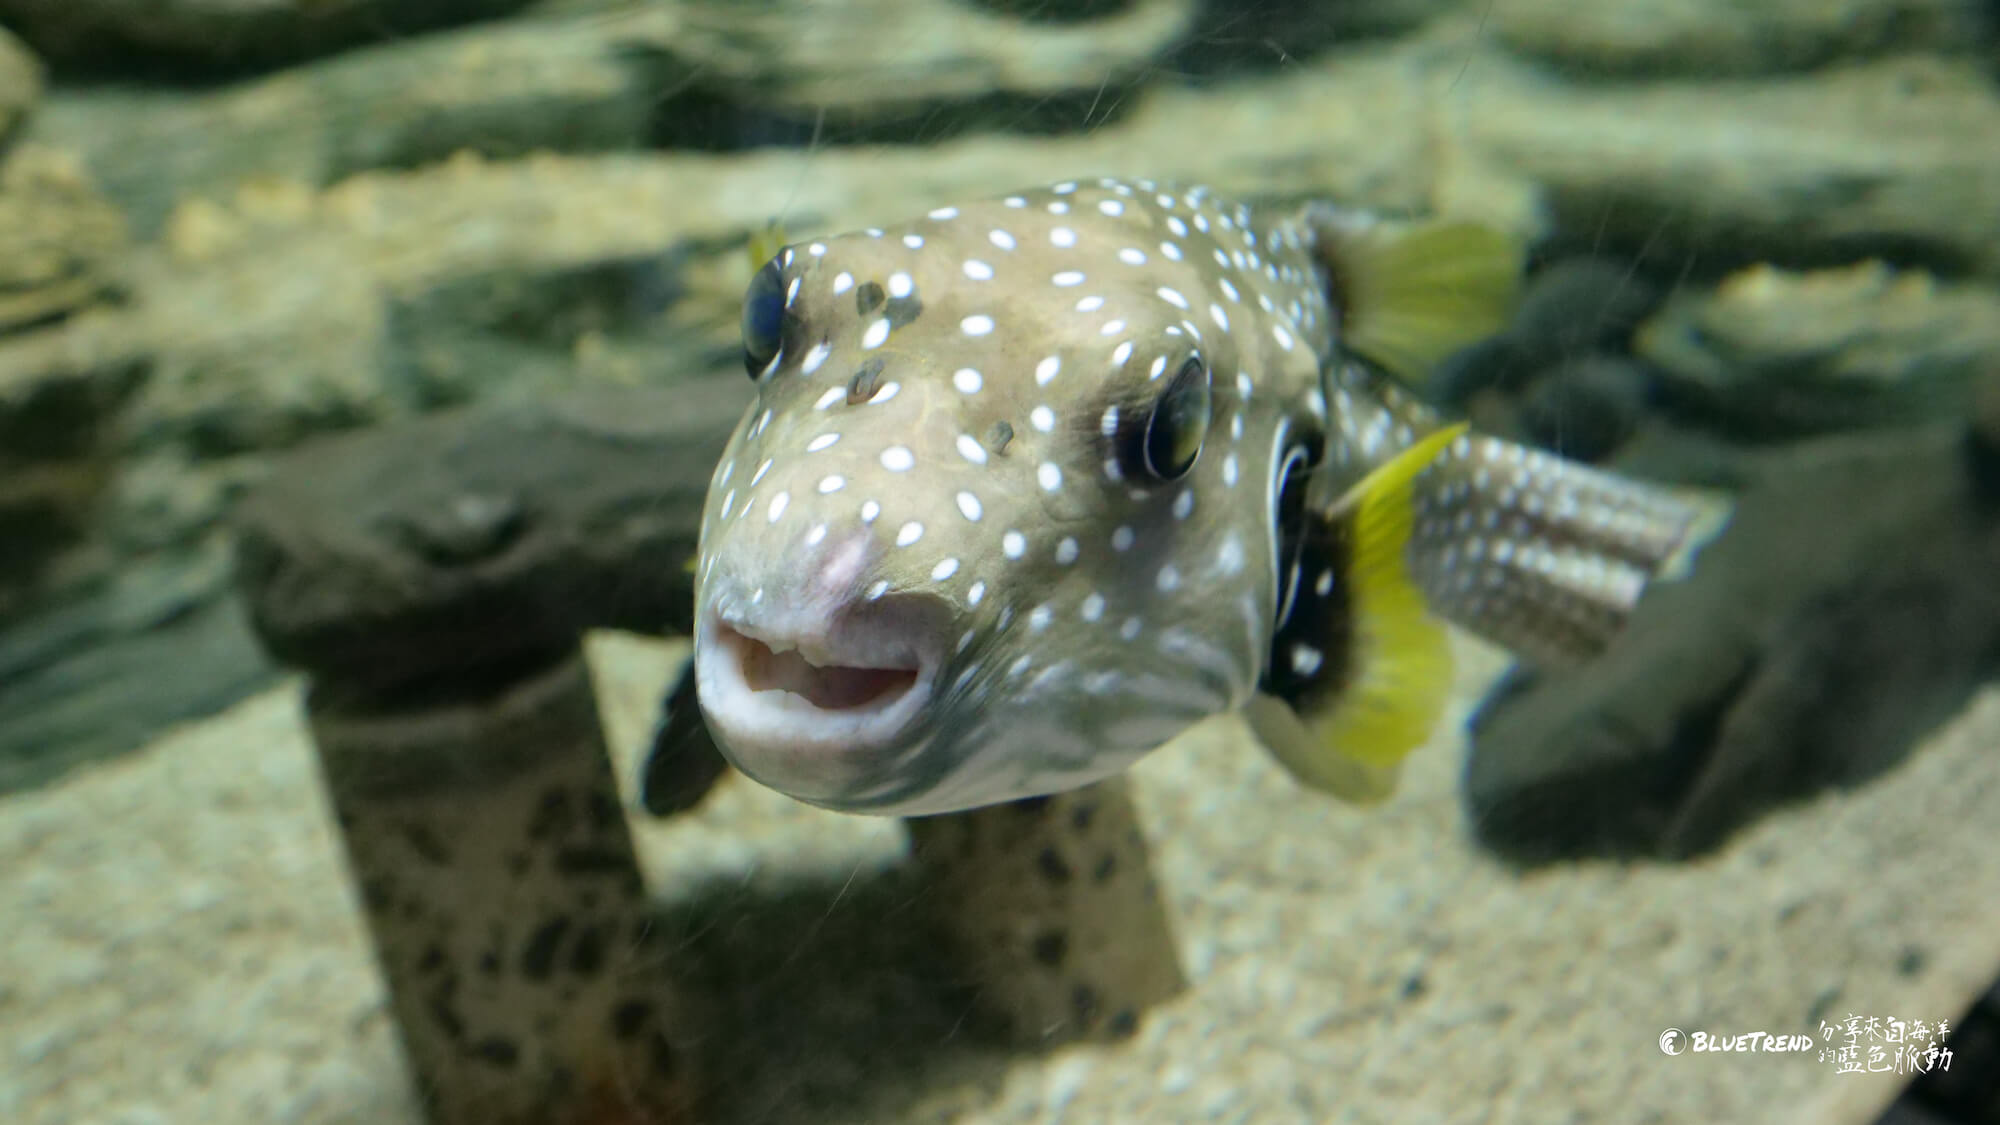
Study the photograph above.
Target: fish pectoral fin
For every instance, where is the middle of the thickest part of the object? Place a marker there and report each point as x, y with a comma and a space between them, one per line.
682, 764
1351, 738
1311, 761
1410, 295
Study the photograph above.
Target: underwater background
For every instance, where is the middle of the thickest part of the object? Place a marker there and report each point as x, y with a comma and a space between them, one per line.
362, 367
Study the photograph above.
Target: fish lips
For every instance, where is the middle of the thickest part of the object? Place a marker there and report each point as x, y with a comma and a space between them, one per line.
822, 707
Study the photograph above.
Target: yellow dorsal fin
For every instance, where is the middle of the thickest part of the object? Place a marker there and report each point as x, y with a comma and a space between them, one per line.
765, 243
1410, 296
1353, 744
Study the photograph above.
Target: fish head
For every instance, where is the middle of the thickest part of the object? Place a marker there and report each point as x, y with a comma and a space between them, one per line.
1002, 517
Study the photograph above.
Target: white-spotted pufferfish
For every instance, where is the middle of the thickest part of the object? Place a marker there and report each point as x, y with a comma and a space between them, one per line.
1032, 485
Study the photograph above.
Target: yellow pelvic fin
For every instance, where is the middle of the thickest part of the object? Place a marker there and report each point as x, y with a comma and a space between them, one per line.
1299, 749
1352, 744
1410, 296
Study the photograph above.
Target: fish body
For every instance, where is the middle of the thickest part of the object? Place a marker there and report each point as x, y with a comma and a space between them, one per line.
1034, 484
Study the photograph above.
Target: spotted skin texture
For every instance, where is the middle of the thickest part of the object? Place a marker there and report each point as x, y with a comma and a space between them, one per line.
1097, 612
938, 479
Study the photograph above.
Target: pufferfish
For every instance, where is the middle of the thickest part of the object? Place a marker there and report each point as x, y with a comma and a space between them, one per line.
1033, 485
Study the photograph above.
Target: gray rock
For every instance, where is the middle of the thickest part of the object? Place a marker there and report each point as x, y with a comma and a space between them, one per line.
1769, 352
101, 673
1705, 37
20, 83
226, 32
1587, 407
1848, 608
381, 558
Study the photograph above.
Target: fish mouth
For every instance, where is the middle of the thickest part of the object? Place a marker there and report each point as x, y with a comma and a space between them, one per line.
815, 705
820, 681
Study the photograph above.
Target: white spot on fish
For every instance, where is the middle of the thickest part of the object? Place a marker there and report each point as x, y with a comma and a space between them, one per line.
1039, 618
1013, 544
823, 441
1093, 607
1121, 353
1324, 584
1001, 239
1067, 551
974, 593
842, 282
1283, 337
1169, 579
1306, 659
976, 325
884, 393
968, 506
967, 380
1111, 207
1063, 237
1067, 278
759, 474
970, 449
876, 591
1184, 504
944, 569
814, 357
1229, 470
1132, 256
1042, 418
778, 504
943, 213
1172, 297
1130, 629
817, 533
869, 510
832, 483
914, 241
978, 270
909, 533
1121, 539
1229, 557
1090, 304
1046, 370
1049, 476
898, 459
877, 334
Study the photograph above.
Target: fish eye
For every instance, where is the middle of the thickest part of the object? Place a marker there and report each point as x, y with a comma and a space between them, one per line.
763, 318
1178, 422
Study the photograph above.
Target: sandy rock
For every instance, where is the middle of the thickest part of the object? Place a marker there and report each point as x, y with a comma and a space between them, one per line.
604, 82
1773, 351
226, 32
194, 951
59, 239
1706, 37
1892, 157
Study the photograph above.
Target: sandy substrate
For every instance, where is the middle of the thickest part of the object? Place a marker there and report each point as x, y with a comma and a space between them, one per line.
181, 946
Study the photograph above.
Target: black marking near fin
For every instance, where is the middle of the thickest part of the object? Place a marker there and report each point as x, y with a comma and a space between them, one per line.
1359, 674
682, 764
